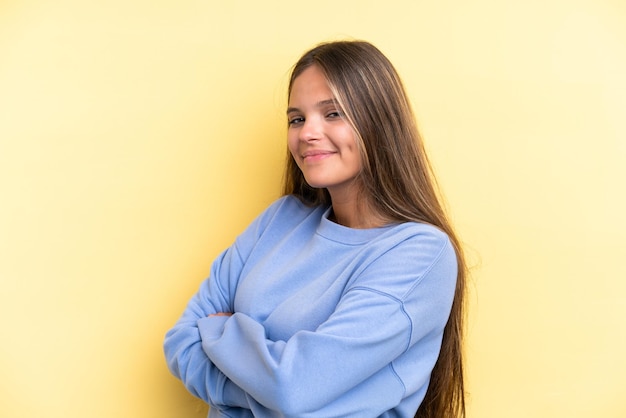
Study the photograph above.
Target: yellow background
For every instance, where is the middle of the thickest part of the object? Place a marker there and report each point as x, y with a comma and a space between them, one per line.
137, 138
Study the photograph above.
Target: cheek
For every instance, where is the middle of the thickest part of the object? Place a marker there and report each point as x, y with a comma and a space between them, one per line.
354, 152
350, 141
292, 144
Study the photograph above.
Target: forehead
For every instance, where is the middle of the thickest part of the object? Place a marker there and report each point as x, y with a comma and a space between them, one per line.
311, 83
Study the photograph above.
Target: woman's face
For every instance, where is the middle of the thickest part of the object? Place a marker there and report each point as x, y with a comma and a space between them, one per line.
321, 141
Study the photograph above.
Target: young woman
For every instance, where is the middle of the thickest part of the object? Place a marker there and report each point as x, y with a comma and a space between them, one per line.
344, 298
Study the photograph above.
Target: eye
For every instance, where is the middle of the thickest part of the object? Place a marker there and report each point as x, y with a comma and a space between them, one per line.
295, 120
334, 114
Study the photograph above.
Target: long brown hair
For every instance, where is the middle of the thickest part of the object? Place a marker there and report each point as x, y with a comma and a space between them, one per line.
397, 181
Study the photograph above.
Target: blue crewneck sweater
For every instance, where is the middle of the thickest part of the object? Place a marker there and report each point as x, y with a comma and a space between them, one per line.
328, 321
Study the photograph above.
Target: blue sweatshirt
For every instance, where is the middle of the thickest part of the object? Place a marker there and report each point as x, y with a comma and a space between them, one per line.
328, 321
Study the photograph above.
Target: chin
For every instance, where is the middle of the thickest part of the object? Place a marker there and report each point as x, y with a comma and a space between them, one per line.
315, 183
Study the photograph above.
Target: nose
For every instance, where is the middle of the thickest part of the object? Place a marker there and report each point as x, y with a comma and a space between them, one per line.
311, 129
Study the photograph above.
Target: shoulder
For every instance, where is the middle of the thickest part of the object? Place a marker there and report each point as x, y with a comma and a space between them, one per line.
421, 240
424, 233
428, 247
287, 206
280, 217
411, 256
290, 203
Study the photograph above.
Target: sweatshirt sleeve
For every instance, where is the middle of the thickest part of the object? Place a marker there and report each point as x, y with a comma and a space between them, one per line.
345, 367
182, 346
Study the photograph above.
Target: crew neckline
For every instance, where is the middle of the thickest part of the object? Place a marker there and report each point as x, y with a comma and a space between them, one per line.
346, 235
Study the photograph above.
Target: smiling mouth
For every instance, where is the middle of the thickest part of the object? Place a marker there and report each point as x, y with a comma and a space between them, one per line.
316, 155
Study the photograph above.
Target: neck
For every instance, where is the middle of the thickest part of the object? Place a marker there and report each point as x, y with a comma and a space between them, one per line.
355, 213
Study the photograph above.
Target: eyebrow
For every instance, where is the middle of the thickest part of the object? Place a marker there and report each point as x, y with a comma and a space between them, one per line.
318, 104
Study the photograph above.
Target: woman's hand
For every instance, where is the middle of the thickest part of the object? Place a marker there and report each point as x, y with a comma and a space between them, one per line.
221, 314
